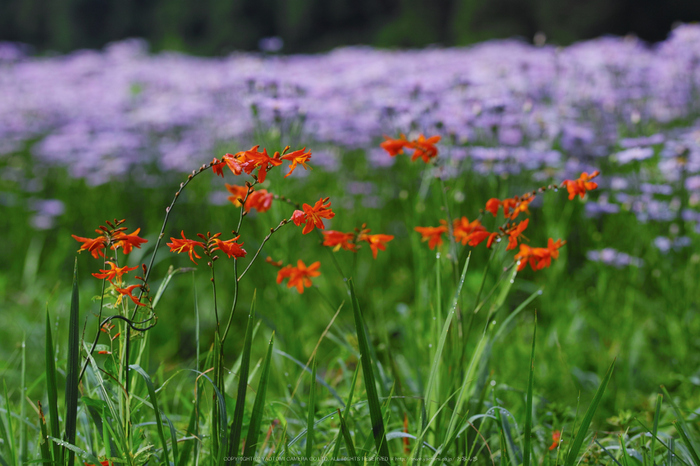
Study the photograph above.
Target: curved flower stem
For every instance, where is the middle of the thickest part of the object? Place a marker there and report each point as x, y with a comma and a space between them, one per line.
213, 286
257, 253
233, 305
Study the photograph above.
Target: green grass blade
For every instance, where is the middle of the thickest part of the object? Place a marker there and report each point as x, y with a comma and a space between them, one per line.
527, 448
46, 455
348, 440
237, 425
191, 430
9, 431
587, 418
682, 428
336, 449
52, 388
73, 367
251, 443
23, 453
375, 410
312, 415
222, 409
159, 416
657, 416
88, 457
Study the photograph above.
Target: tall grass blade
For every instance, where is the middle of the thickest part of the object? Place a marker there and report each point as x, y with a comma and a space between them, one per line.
576, 445
348, 440
336, 449
73, 449
239, 410
375, 410
657, 416
46, 455
527, 447
312, 415
9, 433
251, 442
682, 428
191, 430
52, 389
222, 419
159, 416
23, 453
73, 368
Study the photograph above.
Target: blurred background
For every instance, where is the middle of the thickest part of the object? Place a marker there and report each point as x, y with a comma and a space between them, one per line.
216, 27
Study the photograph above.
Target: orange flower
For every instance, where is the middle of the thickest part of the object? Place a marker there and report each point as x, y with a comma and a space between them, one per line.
522, 205
433, 234
556, 438
113, 272
252, 159
94, 245
218, 166
492, 205
269, 260
312, 215
103, 463
462, 229
581, 185
538, 258
338, 239
517, 204
297, 157
127, 292
394, 146
230, 247
514, 233
425, 148
128, 241
259, 200
299, 276
185, 245
477, 237
376, 242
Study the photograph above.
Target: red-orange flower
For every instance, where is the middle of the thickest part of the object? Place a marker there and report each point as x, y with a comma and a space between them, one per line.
538, 258
230, 247
433, 234
376, 242
312, 215
514, 233
424, 148
492, 205
93, 245
113, 272
297, 157
462, 229
394, 146
477, 237
128, 241
128, 292
581, 185
260, 200
299, 276
338, 239
556, 438
185, 245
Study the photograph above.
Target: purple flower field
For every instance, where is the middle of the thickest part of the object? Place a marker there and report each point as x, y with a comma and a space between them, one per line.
504, 106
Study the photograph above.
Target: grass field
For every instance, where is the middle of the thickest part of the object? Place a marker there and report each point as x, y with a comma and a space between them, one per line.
449, 345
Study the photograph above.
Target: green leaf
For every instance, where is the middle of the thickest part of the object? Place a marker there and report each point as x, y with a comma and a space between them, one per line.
375, 411
251, 442
576, 445
52, 388
237, 424
336, 449
527, 448
682, 428
312, 412
73, 368
657, 416
159, 416
44, 440
348, 440
73, 449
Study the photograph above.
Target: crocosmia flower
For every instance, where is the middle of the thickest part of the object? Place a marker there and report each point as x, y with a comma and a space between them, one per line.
463, 229
538, 258
376, 242
128, 241
260, 200
297, 157
299, 276
338, 240
185, 245
93, 245
113, 272
425, 148
433, 235
556, 438
312, 216
128, 292
230, 247
581, 185
394, 146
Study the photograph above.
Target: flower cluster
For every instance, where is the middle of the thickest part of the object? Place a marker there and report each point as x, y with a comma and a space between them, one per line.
113, 236
260, 199
250, 160
209, 244
312, 216
474, 233
422, 147
349, 241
